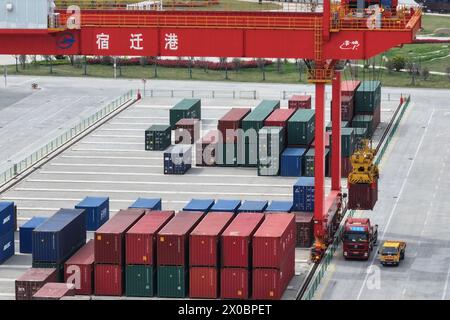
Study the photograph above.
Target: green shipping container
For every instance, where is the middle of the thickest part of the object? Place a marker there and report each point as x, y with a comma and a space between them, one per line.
271, 143
309, 162
158, 137
368, 96
255, 119
364, 121
139, 281
360, 133
344, 124
185, 109
301, 127
172, 281
348, 142
250, 155
227, 155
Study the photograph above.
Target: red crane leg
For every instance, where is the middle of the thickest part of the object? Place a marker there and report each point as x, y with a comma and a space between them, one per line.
319, 164
336, 133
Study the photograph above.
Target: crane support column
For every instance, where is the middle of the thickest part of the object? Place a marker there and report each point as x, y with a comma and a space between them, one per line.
326, 19
319, 163
336, 133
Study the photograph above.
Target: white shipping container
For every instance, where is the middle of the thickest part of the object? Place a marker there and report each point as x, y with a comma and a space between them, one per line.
24, 14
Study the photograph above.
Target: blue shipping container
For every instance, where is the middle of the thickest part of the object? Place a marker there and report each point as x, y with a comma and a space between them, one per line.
203, 205
280, 206
304, 194
97, 211
292, 162
177, 159
6, 246
253, 206
226, 206
7, 217
150, 204
60, 236
26, 233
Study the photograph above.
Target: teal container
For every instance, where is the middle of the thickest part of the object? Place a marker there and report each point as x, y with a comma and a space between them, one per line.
185, 109
348, 142
158, 137
255, 119
172, 281
309, 162
301, 128
271, 144
368, 96
139, 281
344, 124
364, 121
227, 155
360, 133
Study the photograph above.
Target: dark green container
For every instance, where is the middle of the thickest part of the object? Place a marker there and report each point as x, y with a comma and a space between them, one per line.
269, 157
185, 109
158, 137
301, 128
250, 155
368, 96
227, 155
344, 124
48, 265
140, 281
360, 133
255, 119
348, 142
309, 162
364, 121
172, 281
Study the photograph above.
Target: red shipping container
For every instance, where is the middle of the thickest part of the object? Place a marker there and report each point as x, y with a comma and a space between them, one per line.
79, 269
349, 87
204, 239
347, 108
237, 238
234, 283
173, 241
274, 240
362, 196
32, 280
54, 291
206, 148
346, 167
203, 282
109, 280
140, 240
187, 131
232, 120
110, 238
269, 283
327, 140
300, 102
279, 117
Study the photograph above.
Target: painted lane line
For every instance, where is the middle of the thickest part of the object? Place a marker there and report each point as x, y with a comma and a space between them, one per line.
142, 174
110, 157
121, 129
12, 266
402, 188
444, 293
113, 136
108, 150
75, 199
7, 280
105, 165
113, 142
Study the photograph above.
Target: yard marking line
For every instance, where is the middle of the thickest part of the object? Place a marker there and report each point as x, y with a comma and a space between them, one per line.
154, 192
112, 136
12, 266
105, 165
7, 280
397, 199
166, 183
115, 130
444, 293
142, 173
7, 294
108, 150
110, 157
112, 142
76, 199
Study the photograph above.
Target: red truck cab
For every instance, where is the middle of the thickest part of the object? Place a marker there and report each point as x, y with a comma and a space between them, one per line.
359, 238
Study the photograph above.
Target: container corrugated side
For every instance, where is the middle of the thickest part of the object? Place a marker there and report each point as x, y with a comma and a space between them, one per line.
172, 281
97, 211
7, 217
204, 282
235, 283
108, 280
6, 246
54, 291
79, 269
140, 281
32, 280
26, 233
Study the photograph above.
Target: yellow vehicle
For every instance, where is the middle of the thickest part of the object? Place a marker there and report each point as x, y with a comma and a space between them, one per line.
392, 252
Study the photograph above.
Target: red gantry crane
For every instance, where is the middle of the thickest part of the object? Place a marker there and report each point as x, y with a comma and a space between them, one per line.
340, 32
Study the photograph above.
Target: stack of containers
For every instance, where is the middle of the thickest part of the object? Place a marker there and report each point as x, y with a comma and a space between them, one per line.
7, 228
301, 128
54, 291
251, 125
230, 124
348, 90
79, 269
303, 195
305, 229
280, 206
185, 109
292, 162
58, 238
32, 280
158, 137
273, 256
279, 118
199, 205
140, 243
206, 149
271, 144
223, 205
97, 211
344, 124
110, 252
253, 206
147, 203
177, 159
236, 242
348, 144
173, 253
187, 131
204, 255
366, 122
300, 102
26, 233
310, 164
368, 104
